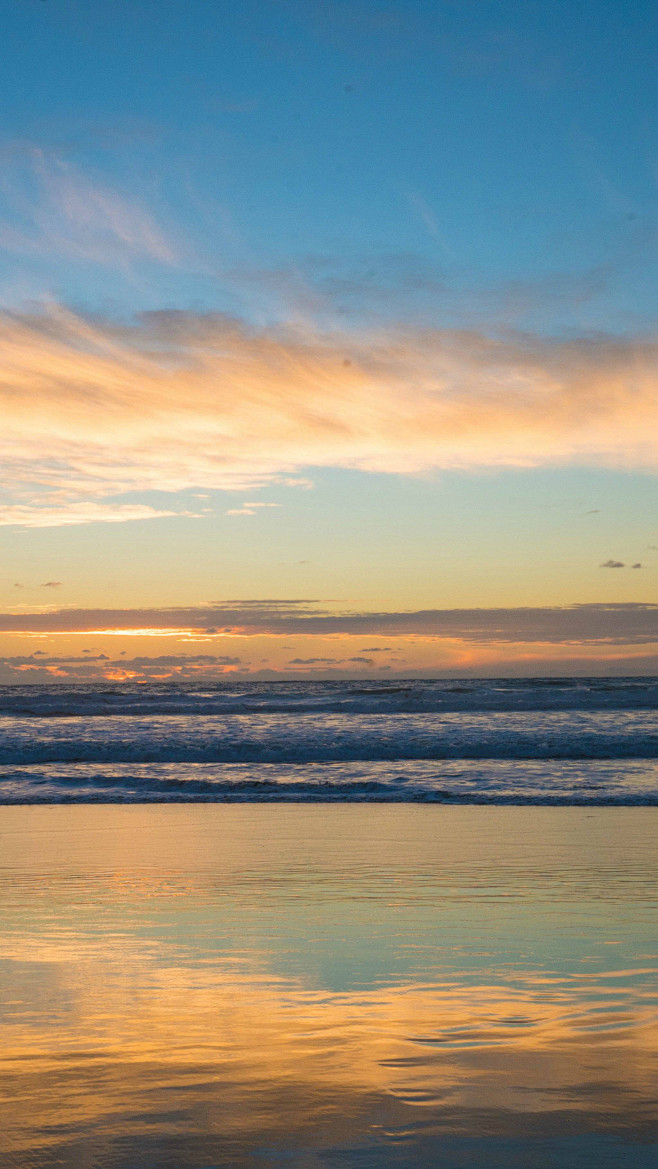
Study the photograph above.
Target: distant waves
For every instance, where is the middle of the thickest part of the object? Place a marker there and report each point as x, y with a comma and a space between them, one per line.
469, 694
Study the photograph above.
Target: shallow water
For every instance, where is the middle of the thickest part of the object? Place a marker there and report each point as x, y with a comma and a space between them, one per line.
187, 987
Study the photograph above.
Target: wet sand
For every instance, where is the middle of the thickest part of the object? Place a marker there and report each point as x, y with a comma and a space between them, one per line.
355, 986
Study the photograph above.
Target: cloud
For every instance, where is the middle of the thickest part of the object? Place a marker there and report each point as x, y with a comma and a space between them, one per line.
51, 584
177, 660
612, 564
65, 514
314, 661
363, 661
179, 401
372, 279
249, 508
41, 667
48, 207
602, 624
638, 565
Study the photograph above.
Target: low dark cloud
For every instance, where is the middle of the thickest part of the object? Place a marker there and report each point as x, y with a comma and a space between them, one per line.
183, 659
51, 584
314, 661
270, 602
612, 564
39, 667
625, 624
362, 661
54, 660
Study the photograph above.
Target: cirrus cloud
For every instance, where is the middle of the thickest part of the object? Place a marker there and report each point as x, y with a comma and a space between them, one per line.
50, 207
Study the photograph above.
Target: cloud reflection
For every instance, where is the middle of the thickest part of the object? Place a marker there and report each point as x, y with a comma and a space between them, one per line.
162, 1007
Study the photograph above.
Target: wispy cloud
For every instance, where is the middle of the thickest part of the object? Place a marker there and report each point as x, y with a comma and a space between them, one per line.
49, 207
602, 624
70, 512
250, 508
179, 401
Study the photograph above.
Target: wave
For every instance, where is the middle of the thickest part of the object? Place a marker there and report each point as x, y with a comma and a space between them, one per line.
323, 738
582, 741
586, 783
139, 700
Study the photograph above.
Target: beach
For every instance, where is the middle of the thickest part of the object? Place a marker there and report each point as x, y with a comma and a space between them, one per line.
197, 985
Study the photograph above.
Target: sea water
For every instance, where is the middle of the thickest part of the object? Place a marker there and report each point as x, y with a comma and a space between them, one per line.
572, 741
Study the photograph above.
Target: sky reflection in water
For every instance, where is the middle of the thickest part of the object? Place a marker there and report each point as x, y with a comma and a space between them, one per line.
186, 987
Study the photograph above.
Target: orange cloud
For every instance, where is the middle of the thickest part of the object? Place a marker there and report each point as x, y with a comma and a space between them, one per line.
179, 400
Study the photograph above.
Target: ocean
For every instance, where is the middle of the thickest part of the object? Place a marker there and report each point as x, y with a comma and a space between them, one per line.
584, 741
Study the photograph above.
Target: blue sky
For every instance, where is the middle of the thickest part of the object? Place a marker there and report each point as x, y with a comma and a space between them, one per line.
482, 143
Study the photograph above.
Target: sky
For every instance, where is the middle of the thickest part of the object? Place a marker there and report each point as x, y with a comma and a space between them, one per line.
327, 339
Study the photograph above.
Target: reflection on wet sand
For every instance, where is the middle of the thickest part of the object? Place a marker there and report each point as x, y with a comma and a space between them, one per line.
316, 987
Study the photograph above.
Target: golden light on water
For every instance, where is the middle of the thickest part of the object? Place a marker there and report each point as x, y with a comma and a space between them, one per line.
287, 975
